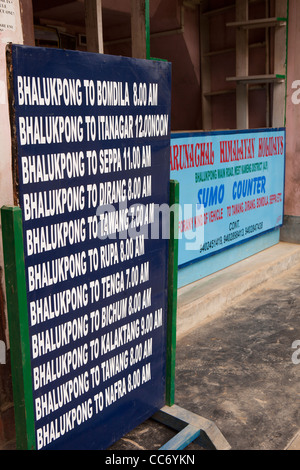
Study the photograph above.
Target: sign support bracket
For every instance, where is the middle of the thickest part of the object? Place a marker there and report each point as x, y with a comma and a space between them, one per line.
191, 428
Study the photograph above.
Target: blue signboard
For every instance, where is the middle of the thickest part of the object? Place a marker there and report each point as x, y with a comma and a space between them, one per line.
93, 142
231, 188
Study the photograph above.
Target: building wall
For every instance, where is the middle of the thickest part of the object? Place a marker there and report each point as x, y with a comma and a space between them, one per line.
10, 17
174, 37
291, 229
182, 49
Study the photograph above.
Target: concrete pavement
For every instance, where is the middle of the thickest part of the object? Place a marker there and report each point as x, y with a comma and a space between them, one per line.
234, 355
207, 298
239, 367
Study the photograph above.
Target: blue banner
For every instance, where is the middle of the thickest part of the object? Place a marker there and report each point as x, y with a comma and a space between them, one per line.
93, 142
231, 188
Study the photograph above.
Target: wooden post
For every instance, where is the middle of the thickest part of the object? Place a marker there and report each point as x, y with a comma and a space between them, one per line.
172, 294
242, 66
93, 23
13, 249
27, 22
139, 29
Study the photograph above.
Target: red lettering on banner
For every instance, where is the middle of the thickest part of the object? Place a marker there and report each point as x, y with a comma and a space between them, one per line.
270, 146
238, 208
216, 215
275, 198
191, 156
250, 205
198, 220
262, 201
186, 225
236, 150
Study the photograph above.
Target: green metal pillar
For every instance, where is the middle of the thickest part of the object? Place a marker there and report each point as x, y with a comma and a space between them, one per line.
172, 293
13, 248
147, 17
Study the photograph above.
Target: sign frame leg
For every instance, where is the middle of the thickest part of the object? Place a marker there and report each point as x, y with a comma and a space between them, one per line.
15, 281
172, 293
